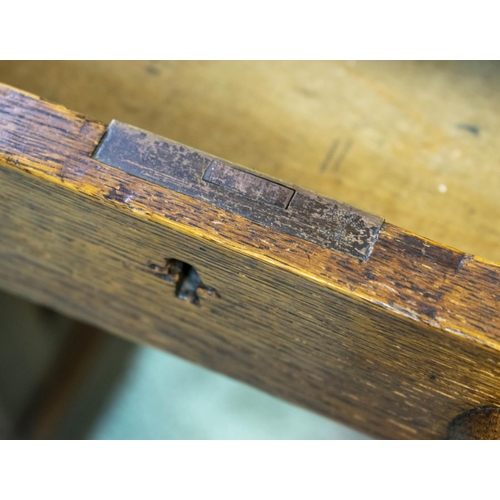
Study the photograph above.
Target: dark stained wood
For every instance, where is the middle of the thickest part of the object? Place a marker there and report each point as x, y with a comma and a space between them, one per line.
479, 423
396, 346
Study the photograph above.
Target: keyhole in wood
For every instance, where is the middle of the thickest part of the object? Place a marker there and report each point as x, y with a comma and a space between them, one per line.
186, 278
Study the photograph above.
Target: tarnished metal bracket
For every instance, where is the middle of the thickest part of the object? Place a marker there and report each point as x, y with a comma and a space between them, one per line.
325, 222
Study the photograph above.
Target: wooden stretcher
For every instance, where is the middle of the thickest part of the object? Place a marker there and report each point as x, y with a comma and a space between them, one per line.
272, 276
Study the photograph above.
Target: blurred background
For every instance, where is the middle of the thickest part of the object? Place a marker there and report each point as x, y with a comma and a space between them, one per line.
415, 142
63, 380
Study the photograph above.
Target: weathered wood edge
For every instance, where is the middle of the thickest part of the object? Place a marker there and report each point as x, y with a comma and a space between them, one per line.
407, 275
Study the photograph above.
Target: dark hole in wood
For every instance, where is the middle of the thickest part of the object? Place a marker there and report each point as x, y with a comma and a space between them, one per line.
186, 278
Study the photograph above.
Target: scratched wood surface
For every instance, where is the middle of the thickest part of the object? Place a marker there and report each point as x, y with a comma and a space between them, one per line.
396, 346
414, 142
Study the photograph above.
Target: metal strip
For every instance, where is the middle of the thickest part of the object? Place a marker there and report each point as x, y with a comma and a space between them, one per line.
249, 185
294, 211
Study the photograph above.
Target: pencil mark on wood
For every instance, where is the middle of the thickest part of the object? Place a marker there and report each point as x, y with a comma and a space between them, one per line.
329, 155
336, 155
338, 162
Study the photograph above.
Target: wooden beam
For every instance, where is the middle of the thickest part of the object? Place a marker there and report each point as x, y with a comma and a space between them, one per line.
395, 346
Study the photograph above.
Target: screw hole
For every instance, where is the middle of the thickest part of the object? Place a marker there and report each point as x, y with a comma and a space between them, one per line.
186, 278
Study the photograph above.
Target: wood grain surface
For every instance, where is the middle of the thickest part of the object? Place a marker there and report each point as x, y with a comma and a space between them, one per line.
412, 141
396, 346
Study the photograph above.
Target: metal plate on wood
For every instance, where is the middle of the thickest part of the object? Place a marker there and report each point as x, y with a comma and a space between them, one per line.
325, 222
249, 185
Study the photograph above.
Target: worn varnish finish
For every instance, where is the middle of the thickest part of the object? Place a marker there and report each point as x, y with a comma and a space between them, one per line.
396, 346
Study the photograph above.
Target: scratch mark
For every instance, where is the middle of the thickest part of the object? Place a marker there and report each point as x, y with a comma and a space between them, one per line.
336, 155
342, 155
329, 155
